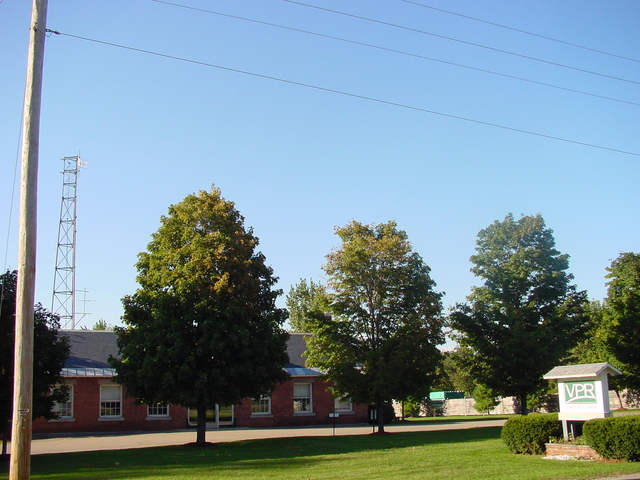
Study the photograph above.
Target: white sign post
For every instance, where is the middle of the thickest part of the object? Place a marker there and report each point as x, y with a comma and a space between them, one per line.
583, 393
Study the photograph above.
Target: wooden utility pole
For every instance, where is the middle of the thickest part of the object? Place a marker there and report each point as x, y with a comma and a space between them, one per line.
20, 464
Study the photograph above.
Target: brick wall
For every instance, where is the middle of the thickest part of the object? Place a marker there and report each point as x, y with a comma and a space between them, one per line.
86, 413
282, 410
582, 451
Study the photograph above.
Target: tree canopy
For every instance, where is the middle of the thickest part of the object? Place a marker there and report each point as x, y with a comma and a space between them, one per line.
526, 315
50, 355
203, 327
622, 315
380, 341
302, 299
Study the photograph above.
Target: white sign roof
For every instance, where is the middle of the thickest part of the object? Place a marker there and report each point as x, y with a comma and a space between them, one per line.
586, 370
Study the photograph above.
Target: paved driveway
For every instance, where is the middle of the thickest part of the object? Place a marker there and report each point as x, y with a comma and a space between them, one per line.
85, 443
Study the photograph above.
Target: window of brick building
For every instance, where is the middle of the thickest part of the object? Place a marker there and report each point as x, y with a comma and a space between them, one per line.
110, 400
261, 406
64, 409
302, 400
158, 410
343, 404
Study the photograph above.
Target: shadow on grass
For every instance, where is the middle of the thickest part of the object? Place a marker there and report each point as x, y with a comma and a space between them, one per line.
241, 457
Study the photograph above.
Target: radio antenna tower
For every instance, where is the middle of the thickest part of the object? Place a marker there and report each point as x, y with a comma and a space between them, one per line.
64, 281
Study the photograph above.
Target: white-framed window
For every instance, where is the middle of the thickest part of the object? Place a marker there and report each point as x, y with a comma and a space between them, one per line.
158, 410
110, 400
343, 404
64, 409
261, 406
302, 399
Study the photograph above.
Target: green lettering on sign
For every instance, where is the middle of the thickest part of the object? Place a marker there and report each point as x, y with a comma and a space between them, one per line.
580, 393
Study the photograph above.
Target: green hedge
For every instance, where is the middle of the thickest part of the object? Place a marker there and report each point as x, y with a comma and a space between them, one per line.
528, 433
614, 437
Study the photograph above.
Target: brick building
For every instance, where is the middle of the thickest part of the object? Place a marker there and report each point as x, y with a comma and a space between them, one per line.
302, 400
98, 404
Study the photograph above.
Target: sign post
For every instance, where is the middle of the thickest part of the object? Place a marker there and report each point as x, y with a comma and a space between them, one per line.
334, 416
583, 393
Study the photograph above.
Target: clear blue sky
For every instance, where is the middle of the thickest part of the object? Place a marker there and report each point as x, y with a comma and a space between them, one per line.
298, 161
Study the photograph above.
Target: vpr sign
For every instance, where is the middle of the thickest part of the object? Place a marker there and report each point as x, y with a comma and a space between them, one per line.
580, 393
583, 390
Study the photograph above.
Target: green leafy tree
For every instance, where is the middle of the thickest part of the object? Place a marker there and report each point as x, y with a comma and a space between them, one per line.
526, 315
380, 342
595, 347
51, 351
485, 399
302, 299
103, 325
203, 327
458, 368
622, 316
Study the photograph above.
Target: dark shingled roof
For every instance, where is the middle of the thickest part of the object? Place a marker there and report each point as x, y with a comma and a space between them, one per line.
296, 346
90, 348
90, 351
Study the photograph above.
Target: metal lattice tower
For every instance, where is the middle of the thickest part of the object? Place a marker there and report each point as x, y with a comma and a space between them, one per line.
64, 282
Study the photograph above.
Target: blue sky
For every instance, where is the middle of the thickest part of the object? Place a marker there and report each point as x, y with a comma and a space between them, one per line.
299, 161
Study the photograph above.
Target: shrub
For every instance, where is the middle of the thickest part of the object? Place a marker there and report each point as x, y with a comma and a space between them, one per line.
528, 433
412, 407
614, 437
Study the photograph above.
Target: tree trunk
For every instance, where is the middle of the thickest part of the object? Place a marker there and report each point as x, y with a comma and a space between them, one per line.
380, 415
201, 428
524, 410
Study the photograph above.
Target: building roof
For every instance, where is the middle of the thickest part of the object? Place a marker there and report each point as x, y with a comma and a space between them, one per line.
586, 370
296, 346
90, 351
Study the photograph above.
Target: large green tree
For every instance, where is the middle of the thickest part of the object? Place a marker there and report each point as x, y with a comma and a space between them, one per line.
51, 351
458, 371
203, 327
380, 343
302, 299
526, 315
622, 316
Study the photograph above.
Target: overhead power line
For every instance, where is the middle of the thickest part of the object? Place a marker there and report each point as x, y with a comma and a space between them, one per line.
424, 32
523, 31
347, 94
400, 52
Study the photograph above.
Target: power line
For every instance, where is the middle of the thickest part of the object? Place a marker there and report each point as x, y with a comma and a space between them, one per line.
401, 52
423, 32
523, 31
347, 94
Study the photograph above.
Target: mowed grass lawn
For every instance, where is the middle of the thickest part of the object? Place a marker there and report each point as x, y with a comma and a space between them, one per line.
468, 454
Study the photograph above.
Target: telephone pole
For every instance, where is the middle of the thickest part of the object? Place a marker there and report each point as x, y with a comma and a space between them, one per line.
20, 463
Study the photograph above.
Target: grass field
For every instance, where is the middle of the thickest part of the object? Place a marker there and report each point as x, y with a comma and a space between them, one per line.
469, 454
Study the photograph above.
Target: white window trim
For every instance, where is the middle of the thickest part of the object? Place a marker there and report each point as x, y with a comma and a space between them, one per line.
343, 411
107, 418
262, 414
304, 412
162, 416
66, 418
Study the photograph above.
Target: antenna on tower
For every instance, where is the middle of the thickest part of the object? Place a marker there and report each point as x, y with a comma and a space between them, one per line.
64, 281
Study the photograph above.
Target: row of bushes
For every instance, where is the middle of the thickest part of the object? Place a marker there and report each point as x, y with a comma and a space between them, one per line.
528, 433
614, 437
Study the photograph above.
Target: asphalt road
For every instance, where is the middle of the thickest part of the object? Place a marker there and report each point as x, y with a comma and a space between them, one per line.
83, 443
